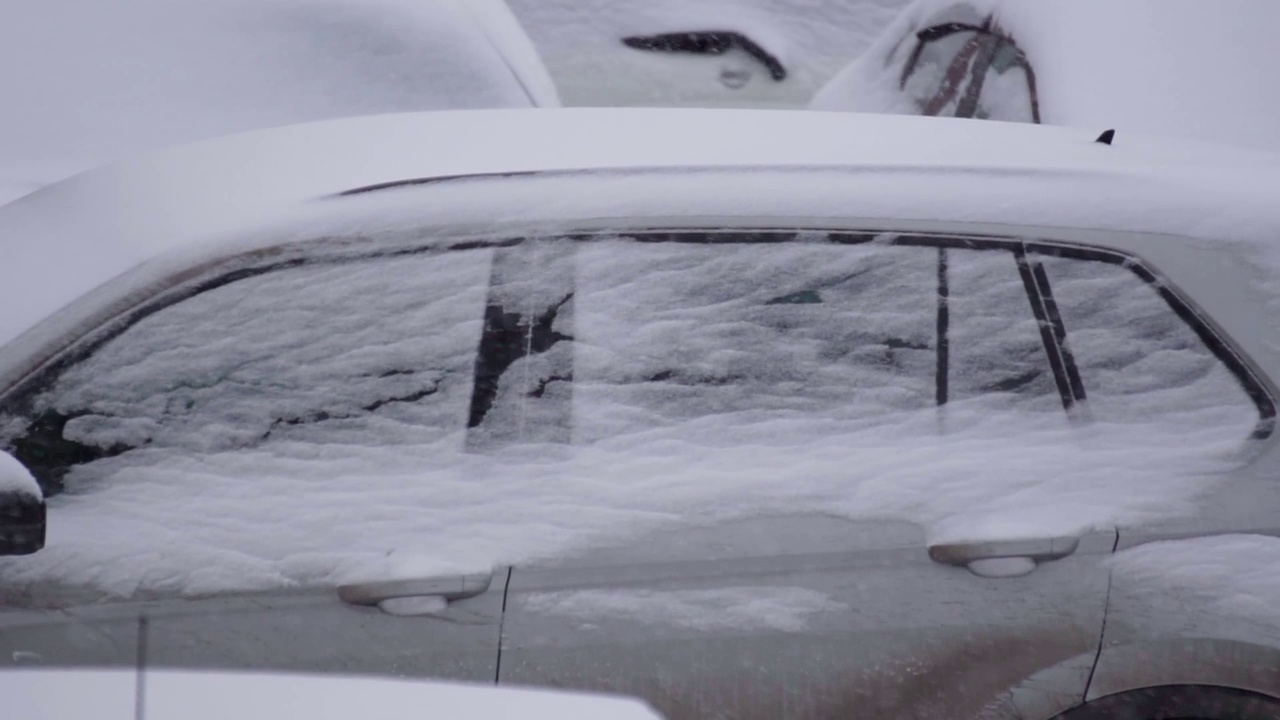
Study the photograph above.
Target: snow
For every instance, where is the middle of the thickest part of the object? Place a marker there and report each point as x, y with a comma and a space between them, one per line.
322, 439
1234, 576
780, 609
86, 82
15, 478
581, 42
176, 695
1175, 68
213, 194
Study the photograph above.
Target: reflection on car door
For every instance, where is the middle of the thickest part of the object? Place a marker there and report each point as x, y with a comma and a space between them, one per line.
971, 601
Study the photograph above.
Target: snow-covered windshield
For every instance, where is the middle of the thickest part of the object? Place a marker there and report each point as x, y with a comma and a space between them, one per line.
498, 404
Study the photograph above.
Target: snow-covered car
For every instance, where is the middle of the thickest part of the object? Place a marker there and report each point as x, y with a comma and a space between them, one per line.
1177, 68
87, 82
739, 53
886, 417
177, 695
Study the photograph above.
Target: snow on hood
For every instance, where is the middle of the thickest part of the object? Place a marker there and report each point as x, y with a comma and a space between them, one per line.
15, 478
1179, 68
86, 82
176, 695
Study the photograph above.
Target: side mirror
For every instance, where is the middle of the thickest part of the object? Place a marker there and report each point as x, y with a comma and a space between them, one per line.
22, 512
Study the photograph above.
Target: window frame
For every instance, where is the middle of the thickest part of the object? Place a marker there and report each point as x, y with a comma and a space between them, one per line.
18, 397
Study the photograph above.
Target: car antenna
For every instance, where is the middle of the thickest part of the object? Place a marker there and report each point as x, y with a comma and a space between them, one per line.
1106, 137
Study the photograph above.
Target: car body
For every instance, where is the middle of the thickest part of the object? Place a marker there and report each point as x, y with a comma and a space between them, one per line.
120, 695
729, 53
140, 75
1137, 68
852, 422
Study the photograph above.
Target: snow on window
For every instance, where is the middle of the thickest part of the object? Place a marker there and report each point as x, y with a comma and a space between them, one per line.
423, 414
674, 332
374, 353
1138, 359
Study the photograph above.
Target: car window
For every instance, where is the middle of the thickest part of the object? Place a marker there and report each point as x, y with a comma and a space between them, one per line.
491, 405
1137, 358
963, 64
561, 341
374, 352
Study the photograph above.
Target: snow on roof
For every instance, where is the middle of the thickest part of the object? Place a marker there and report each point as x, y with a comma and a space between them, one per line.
1177, 68
130, 76
102, 223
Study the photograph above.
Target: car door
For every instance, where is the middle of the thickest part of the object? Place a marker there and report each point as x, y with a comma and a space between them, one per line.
870, 478
240, 472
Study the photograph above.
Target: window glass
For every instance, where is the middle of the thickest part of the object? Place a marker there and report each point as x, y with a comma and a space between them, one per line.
373, 352
1138, 360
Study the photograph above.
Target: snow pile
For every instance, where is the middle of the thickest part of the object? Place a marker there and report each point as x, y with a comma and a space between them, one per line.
1178, 68
581, 42
782, 609
85, 82
15, 478
310, 426
1232, 575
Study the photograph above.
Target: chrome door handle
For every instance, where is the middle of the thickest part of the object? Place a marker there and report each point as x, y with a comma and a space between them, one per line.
421, 596
1003, 558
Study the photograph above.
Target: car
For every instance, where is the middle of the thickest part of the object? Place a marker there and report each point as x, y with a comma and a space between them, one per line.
887, 417
116, 80
165, 695
1082, 64
731, 53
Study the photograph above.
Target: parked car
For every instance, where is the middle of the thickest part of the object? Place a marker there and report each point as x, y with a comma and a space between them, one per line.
171, 695
121, 78
1183, 69
859, 421
730, 53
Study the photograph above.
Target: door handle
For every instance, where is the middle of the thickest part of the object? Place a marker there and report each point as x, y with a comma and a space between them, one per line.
421, 596
1003, 558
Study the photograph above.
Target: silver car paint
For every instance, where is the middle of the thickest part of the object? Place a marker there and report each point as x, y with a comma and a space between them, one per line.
1047, 680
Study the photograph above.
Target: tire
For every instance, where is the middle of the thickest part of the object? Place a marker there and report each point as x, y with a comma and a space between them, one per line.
1179, 702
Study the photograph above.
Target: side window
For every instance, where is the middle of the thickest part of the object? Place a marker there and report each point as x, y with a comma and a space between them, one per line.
1138, 360
674, 334
368, 352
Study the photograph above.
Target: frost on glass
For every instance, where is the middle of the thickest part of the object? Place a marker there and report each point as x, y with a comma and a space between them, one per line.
524, 376
672, 333
1140, 362
425, 415
371, 353
997, 354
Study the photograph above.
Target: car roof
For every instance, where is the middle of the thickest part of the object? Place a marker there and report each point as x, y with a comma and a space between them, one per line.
193, 202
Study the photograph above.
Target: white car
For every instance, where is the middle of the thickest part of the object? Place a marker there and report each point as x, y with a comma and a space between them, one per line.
1175, 68
726, 53
172, 695
886, 417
